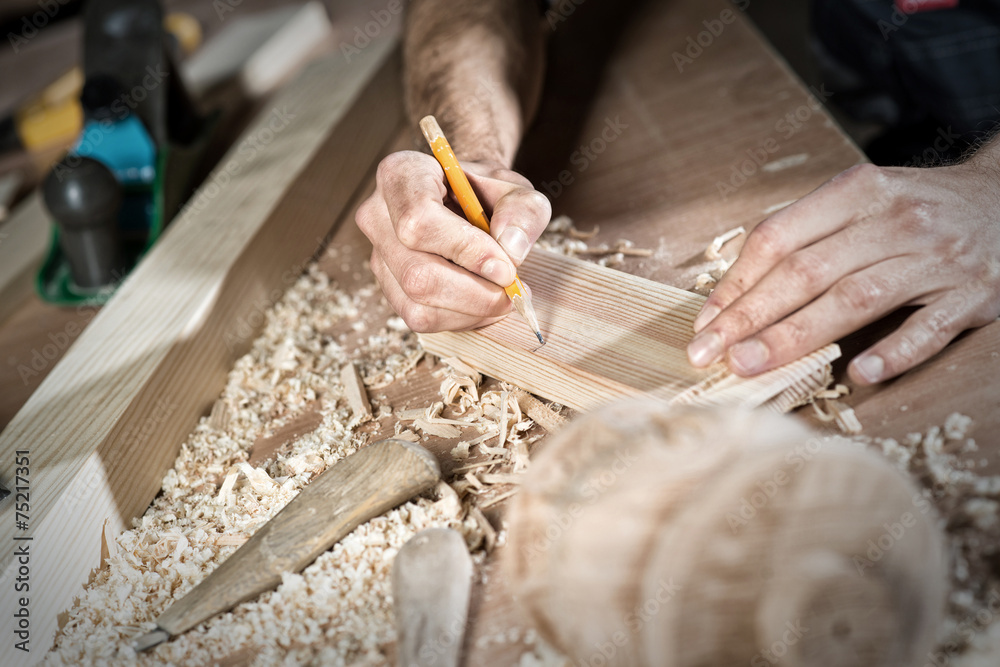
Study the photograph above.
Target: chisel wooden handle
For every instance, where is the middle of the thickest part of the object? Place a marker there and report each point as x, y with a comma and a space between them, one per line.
356, 489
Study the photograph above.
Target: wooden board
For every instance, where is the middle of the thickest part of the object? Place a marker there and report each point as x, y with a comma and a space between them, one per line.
610, 335
105, 425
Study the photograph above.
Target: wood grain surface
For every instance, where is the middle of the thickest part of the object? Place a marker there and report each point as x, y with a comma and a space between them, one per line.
105, 425
655, 184
359, 487
611, 335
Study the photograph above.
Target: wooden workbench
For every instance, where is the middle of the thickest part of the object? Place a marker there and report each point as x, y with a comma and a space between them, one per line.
656, 184
667, 139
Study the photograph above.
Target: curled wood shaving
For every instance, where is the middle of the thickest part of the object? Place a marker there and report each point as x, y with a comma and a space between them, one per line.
714, 248
485, 527
436, 429
832, 410
563, 237
498, 499
542, 414
499, 478
461, 368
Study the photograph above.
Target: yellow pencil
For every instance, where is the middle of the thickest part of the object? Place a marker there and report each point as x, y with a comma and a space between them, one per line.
474, 211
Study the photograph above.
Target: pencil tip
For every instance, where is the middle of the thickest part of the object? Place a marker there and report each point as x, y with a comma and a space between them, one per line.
540, 339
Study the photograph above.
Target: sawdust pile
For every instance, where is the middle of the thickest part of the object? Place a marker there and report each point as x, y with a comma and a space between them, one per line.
338, 611
943, 461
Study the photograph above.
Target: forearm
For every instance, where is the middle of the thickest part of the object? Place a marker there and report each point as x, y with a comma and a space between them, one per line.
477, 66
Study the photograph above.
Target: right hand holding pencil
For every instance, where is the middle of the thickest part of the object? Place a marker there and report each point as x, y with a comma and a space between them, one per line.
438, 272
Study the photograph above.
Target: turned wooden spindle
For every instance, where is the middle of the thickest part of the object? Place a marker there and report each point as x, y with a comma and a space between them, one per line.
650, 536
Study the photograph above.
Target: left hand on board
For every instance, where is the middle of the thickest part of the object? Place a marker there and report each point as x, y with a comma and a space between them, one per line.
865, 243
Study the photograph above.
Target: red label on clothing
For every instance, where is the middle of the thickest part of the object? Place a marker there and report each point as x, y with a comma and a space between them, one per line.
914, 6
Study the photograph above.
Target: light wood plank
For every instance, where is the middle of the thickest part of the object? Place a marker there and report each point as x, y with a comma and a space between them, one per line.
106, 424
610, 335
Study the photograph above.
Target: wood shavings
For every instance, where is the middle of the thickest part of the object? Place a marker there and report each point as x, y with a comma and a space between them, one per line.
265, 449
438, 430
563, 237
544, 416
407, 435
499, 478
463, 369
705, 282
485, 527
498, 499
219, 417
338, 610
940, 461
713, 249
832, 410
357, 397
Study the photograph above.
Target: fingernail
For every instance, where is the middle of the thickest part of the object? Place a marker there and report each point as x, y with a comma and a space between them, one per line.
703, 350
515, 242
748, 357
501, 273
870, 367
706, 315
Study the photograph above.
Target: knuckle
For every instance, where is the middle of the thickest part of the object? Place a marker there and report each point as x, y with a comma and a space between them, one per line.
794, 334
903, 355
767, 240
419, 281
865, 173
392, 165
736, 324
410, 225
419, 318
859, 294
809, 270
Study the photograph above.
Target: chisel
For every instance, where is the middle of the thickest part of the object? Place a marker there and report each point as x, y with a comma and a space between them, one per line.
358, 488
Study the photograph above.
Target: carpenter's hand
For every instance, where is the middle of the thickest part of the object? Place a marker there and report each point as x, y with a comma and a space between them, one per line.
438, 271
867, 242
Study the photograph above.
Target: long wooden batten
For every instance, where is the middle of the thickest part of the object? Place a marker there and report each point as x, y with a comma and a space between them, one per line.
106, 424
